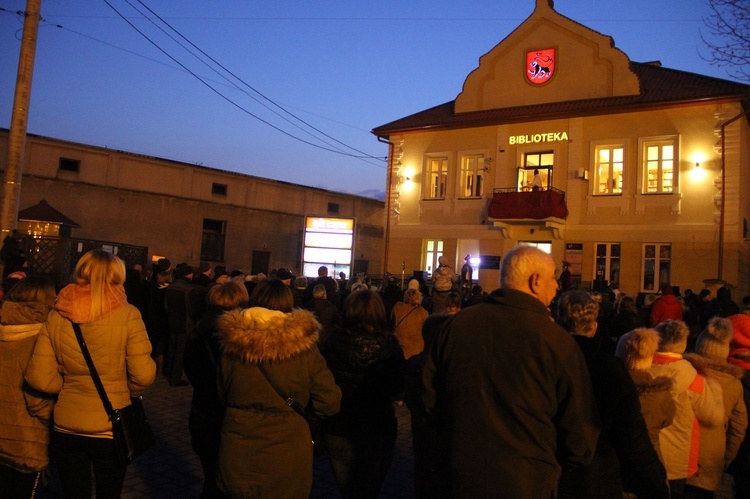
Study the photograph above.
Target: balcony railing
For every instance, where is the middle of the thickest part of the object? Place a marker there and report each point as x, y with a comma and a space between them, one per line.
508, 203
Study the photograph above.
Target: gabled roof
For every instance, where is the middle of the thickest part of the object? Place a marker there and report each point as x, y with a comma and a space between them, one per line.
43, 212
660, 87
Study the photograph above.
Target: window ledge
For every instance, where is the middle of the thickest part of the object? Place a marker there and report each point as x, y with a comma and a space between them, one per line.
671, 199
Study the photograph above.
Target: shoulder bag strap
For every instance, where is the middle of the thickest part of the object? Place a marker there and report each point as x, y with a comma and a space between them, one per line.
404, 317
94, 374
287, 400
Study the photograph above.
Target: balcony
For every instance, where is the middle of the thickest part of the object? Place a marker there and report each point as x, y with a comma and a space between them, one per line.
510, 204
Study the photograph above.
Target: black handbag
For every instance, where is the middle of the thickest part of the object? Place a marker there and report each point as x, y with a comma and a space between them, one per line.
313, 421
131, 430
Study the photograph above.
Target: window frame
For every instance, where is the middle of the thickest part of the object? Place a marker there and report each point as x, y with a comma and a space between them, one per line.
219, 189
525, 168
428, 176
611, 173
476, 172
661, 141
432, 250
69, 165
604, 263
213, 240
658, 259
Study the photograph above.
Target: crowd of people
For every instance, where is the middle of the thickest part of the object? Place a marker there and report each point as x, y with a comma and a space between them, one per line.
527, 391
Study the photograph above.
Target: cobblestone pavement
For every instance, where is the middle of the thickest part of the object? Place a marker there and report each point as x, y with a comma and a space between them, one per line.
172, 470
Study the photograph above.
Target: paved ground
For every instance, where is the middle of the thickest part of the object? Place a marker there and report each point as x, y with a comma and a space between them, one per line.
172, 470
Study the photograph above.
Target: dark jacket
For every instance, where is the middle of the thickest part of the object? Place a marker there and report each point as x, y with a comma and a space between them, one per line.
367, 368
327, 314
185, 304
625, 458
657, 405
266, 449
511, 394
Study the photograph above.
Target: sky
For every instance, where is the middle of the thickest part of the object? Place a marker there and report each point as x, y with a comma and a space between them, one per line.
287, 89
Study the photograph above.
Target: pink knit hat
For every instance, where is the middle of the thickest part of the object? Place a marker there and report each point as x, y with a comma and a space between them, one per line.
741, 327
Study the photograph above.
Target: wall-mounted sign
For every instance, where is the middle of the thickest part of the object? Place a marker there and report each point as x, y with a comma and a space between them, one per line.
328, 242
537, 138
540, 65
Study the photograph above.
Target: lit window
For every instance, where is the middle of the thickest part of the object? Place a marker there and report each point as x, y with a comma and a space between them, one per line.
536, 169
659, 167
472, 170
608, 170
437, 178
433, 250
656, 269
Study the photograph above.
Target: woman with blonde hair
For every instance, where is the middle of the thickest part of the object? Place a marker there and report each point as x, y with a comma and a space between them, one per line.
121, 352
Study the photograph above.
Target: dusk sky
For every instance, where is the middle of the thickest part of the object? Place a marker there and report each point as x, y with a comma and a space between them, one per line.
287, 90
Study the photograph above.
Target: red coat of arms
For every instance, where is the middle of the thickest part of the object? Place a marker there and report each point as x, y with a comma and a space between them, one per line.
540, 65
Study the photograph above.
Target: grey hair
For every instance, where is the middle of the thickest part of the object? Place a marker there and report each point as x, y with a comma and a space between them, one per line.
519, 263
577, 311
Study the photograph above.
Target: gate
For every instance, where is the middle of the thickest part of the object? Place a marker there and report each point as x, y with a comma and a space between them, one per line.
56, 258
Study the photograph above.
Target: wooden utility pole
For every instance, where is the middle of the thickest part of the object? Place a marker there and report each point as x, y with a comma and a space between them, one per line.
19, 120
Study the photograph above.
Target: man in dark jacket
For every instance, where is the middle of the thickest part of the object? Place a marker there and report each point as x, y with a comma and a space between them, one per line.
185, 304
509, 389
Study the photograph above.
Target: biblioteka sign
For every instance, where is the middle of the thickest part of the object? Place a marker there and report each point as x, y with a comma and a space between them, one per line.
538, 138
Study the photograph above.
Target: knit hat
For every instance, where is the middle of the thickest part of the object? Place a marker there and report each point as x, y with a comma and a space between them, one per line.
637, 348
284, 274
414, 284
672, 336
713, 342
741, 329
204, 267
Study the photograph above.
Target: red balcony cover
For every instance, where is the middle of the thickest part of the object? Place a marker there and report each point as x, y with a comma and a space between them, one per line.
534, 204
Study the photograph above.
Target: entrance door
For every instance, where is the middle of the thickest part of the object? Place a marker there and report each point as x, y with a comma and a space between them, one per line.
260, 262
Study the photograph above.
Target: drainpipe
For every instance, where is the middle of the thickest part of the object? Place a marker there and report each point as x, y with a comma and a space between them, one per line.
389, 179
723, 192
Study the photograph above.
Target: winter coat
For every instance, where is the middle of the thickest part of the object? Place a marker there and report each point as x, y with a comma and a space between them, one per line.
719, 445
408, 320
657, 406
443, 277
24, 432
511, 396
201, 365
625, 458
265, 448
367, 368
666, 307
120, 350
698, 402
740, 467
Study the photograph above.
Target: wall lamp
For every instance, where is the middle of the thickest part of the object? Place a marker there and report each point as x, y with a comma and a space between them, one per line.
697, 164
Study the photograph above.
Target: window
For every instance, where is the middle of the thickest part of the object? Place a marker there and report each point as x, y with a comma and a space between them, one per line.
536, 163
472, 169
333, 208
656, 266
433, 251
437, 178
219, 189
659, 166
69, 165
212, 242
608, 170
544, 246
607, 265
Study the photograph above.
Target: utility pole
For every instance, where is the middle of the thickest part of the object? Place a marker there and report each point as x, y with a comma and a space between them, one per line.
19, 120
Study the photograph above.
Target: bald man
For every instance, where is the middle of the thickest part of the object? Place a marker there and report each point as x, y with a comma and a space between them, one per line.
508, 390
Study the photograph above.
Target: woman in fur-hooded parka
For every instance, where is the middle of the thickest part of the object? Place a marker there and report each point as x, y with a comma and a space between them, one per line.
719, 445
266, 448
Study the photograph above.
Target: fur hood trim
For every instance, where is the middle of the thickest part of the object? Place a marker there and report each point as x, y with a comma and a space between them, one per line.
646, 383
258, 334
702, 364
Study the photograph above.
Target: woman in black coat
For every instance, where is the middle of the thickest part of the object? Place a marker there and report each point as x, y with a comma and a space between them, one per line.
201, 367
366, 361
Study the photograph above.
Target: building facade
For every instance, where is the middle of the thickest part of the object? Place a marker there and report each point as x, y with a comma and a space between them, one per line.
189, 213
630, 172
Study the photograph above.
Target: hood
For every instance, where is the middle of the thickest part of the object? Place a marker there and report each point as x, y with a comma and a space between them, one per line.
257, 334
702, 364
14, 313
646, 383
443, 260
19, 332
74, 302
